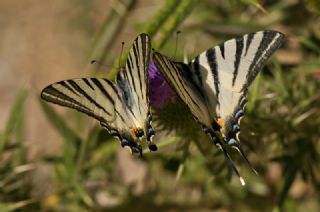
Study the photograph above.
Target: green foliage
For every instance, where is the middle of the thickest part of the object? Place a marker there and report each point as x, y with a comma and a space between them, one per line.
14, 121
109, 31
81, 158
174, 19
14, 167
280, 131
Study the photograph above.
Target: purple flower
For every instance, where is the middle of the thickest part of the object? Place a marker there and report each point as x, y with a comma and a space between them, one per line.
160, 93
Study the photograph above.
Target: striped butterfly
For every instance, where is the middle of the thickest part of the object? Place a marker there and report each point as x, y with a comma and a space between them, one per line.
122, 107
214, 85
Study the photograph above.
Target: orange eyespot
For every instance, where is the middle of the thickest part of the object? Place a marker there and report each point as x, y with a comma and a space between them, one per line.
137, 132
220, 122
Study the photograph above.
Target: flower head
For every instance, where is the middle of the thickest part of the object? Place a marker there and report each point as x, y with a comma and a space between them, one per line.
160, 93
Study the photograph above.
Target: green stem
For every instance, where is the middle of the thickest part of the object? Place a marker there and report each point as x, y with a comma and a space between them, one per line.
182, 11
110, 30
168, 18
162, 15
287, 185
15, 117
92, 138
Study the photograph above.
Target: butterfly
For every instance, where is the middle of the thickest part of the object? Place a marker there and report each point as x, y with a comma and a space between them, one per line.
122, 107
214, 85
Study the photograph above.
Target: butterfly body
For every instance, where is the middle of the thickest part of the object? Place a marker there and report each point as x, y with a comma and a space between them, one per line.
122, 107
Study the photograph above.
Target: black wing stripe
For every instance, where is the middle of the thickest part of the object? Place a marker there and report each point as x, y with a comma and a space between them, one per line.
239, 48
113, 88
165, 63
137, 64
249, 40
130, 72
120, 115
146, 55
127, 99
124, 72
174, 78
88, 83
181, 87
64, 84
81, 91
196, 68
263, 53
211, 58
50, 91
221, 47
136, 54
102, 89
55, 96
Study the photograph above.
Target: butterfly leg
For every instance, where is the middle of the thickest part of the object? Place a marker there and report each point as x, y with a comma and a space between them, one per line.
237, 145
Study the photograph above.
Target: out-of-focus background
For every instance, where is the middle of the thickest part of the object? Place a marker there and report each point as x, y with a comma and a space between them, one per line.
52, 158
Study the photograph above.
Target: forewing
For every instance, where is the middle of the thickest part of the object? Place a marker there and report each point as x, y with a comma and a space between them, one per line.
94, 97
225, 73
132, 80
178, 75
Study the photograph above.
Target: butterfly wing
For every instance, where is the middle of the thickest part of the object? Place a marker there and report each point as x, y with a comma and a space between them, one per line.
182, 80
179, 76
123, 107
218, 80
98, 98
225, 73
132, 82
94, 97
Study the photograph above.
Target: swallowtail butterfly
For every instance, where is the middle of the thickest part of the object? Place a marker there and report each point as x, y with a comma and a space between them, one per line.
122, 107
214, 85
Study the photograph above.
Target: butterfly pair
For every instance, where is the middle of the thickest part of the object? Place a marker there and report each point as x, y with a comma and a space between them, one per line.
214, 86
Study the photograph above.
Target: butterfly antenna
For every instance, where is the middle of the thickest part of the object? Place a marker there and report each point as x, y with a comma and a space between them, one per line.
227, 158
122, 45
99, 63
175, 50
238, 147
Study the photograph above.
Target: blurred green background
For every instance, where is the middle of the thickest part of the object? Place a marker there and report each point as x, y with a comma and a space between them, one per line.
55, 159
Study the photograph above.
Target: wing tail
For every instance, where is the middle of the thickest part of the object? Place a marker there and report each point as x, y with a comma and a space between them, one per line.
227, 157
237, 145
